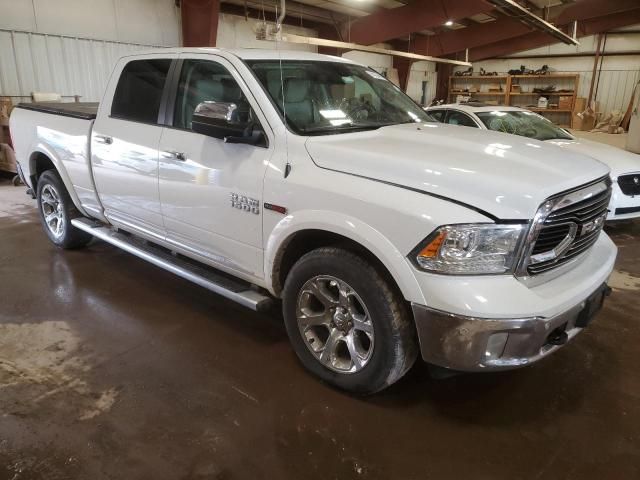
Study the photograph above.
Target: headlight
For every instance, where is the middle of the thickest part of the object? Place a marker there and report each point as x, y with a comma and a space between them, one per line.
472, 249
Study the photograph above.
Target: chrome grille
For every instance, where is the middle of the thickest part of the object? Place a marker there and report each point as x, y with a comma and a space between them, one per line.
571, 226
630, 184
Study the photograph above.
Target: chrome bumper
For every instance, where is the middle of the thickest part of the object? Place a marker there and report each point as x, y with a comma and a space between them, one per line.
479, 344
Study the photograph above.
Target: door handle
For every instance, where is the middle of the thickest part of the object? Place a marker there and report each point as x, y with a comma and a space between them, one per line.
175, 155
104, 139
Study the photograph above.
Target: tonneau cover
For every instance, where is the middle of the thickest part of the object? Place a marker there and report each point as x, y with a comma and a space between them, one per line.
84, 110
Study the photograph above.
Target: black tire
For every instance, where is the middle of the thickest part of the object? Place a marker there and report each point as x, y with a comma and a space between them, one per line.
393, 347
51, 189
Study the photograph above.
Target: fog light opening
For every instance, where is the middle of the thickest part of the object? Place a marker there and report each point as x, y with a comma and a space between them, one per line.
495, 346
558, 336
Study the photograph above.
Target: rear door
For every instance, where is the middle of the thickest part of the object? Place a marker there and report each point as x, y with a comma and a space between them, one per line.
211, 191
124, 145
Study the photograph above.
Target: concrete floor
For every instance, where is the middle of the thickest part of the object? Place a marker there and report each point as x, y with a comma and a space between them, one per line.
112, 368
615, 140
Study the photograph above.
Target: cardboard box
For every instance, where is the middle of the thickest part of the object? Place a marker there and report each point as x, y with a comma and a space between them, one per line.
584, 121
565, 102
580, 104
516, 89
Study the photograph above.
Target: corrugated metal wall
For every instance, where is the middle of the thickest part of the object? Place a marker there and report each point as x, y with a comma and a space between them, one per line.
615, 88
54, 63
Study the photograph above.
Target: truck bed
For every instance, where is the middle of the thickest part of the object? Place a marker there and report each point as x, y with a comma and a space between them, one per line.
83, 110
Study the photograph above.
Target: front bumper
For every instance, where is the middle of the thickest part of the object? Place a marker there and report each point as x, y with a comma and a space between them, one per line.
467, 343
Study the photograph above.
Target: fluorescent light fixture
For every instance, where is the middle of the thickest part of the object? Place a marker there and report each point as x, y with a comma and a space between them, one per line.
525, 16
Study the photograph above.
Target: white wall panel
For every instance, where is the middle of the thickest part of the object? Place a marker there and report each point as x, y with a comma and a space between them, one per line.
84, 18
53, 63
237, 32
422, 72
155, 22
17, 15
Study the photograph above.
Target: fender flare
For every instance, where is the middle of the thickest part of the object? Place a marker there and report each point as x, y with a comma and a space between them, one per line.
41, 148
351, 228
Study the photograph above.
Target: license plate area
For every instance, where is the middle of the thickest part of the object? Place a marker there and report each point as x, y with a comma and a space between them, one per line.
592, 306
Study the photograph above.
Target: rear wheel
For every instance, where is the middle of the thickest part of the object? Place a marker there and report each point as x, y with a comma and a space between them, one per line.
56, 212
346, 323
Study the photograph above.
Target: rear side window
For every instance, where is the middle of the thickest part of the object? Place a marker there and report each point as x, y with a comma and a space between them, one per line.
139, 90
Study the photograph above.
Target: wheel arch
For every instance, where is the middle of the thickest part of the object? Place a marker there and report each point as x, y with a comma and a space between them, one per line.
288, 243
41, 160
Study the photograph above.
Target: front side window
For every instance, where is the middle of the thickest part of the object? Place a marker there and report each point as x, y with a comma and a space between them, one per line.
139, 91
205, 81
526, 124
317, 97
438, 115
458, 118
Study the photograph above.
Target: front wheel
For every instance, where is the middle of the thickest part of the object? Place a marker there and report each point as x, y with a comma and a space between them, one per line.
56, 211
346, 322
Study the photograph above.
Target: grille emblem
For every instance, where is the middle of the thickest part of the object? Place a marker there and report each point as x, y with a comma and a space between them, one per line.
593, 225
636, 180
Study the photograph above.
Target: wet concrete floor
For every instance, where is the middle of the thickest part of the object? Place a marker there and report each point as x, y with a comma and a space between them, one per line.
112, 368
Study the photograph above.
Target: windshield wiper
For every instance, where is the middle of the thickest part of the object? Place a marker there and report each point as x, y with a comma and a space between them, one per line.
342, 128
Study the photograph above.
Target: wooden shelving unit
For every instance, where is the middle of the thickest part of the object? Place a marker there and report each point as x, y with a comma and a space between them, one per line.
461, 82
560, 116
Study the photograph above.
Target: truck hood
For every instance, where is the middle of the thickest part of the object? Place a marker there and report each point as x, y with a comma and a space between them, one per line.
504, 175
620, 161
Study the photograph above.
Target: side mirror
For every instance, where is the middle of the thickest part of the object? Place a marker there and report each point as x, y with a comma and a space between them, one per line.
226, 121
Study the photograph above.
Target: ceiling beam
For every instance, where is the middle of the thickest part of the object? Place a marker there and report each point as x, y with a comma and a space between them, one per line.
538, 39
388, 24
515, 10
506, 27
269, 16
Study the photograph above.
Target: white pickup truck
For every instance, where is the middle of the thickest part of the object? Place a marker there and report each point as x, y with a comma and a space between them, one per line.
263, 175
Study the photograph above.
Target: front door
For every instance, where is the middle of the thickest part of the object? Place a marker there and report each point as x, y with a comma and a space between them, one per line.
211, 191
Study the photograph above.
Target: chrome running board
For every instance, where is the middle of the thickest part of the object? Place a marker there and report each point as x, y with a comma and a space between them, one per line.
217, 282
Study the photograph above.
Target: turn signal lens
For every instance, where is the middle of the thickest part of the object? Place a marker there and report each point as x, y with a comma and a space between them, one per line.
431, 250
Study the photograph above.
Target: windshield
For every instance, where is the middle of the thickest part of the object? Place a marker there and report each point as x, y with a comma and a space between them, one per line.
526, 124
333, 97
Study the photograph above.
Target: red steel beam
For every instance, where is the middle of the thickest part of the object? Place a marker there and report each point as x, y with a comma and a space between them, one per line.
199, 22
475, 35
403, 66
388, 24
538, 39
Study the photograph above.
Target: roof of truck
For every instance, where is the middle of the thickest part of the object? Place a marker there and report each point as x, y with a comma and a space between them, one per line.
249, 53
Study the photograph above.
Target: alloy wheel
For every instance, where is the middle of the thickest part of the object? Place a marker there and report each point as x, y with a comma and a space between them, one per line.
335, 324
52, 210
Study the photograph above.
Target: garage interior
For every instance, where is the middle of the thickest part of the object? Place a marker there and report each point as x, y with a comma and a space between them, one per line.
113, 368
